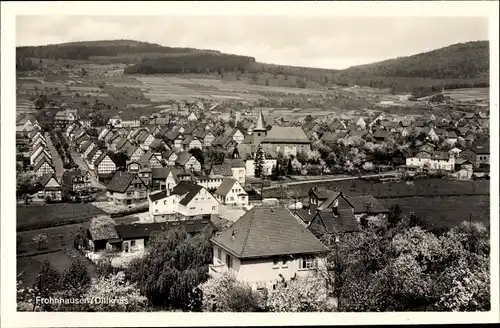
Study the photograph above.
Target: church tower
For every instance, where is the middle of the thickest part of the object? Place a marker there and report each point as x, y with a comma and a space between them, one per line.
260, 131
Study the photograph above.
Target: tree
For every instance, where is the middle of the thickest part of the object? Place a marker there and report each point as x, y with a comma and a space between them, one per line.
301, 83
119, 158
198, 154
259, 162
40, 239
299, 295
76, 278
394, 216
125, 295
308, 118
48, 280
173, 267
225, 294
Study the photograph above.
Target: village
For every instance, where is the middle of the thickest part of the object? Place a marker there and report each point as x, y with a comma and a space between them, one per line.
273, 191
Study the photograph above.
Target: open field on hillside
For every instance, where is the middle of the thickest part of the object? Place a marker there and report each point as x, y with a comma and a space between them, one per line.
445, 212
42, 216
468, 94
162, 88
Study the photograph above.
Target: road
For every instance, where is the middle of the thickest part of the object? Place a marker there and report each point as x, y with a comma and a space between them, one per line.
56, 159
82, 165
386, 174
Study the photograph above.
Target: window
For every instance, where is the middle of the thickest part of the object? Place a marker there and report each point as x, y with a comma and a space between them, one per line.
132, 243
307, 262
276, 263
213, 208
156, 203
229, 261
232, 198
285, 263
219, 254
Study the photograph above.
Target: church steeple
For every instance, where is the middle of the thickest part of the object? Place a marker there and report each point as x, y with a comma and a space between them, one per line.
260, 131
260, 122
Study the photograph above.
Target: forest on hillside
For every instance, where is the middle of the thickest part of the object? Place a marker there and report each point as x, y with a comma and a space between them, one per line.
461, 65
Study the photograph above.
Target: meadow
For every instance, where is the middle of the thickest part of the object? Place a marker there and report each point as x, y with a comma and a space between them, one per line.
43, 216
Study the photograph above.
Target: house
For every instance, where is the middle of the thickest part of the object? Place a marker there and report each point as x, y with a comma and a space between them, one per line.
185, 198
230, 192
188, 162
40, 149
333, 221
367, 208
92, 156
469, 155
163, 178
145, 139
432, 161
211, 183
151, 159
44, 166
206, 137
66, 117
115, 121
191, 142
238, 169
137, 153
192, 117
267, 166
381, 135
169, 156
287, 140
158, 144
104, 165
51, 188
73, 180
104, 237
265, 246
134, 237
482, 154
126, 188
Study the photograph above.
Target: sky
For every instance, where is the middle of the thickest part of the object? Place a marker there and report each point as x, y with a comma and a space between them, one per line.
326, 42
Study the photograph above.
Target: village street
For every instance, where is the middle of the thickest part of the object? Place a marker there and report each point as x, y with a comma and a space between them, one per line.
58, 164
82, 165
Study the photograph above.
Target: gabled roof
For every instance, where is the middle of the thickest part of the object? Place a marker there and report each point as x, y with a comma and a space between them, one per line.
120, 181
226, 186
183, 158
235, 162
101, 157
331, 198
289, 134
40, 163
344, 222
44, 179
144, 230
266, 232
163, 172
190, 190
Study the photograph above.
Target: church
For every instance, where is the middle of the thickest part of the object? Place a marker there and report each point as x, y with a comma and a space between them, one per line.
286, 140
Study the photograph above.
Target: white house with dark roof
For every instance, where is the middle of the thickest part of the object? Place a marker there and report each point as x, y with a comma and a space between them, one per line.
185, 198
104, 165
230, 192
266, 246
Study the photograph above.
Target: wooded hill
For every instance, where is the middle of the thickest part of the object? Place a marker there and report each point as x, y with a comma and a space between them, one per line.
457, 66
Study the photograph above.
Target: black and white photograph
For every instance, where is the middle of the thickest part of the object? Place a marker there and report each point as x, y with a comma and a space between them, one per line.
249, 161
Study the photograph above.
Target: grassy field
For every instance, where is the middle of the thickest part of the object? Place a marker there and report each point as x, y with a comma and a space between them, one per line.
445, 212
28, 267
427, 187
57, 238
42, 216
468, 94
